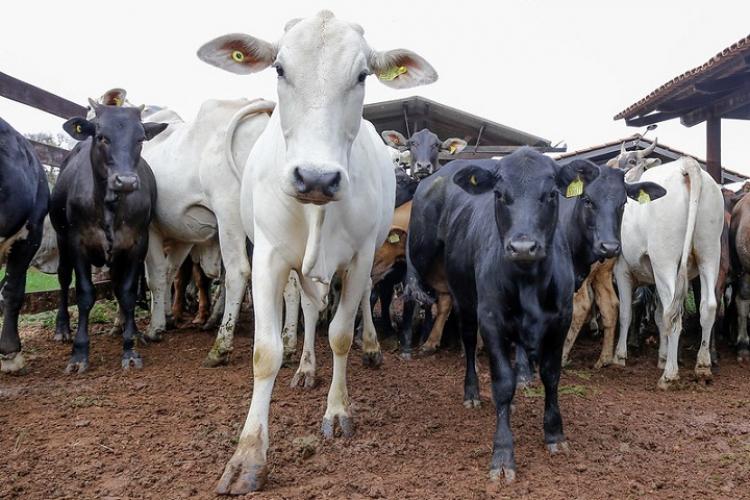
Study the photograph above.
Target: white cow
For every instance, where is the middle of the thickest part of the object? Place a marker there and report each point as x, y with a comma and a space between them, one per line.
317, 197
667, 243
198, 167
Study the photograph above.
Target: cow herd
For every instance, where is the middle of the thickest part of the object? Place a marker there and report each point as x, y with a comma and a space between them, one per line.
307, 195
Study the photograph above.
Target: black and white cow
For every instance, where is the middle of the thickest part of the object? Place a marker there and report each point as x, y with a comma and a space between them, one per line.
511, 268
24, 198
101, 208
423, 148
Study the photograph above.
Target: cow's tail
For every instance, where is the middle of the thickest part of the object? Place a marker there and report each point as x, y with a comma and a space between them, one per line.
253, 107
691, 170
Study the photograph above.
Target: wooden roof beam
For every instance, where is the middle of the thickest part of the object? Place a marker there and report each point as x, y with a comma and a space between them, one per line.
642, 121
719, 107
20, 91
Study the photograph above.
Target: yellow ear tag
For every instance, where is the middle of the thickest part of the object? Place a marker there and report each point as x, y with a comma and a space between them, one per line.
575, 188
394, 238
238, 56
118, 101
78, 129
643, 197
453, 148
473, 180
392, 73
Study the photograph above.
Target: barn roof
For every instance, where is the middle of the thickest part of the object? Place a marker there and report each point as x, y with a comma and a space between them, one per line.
601, 153
720, 87
446, 122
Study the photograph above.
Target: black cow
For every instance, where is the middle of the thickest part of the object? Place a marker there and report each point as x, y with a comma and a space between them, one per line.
424, 147
515, 282
24, 199
101, 208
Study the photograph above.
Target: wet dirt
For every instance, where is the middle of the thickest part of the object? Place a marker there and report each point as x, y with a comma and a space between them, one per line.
165, 432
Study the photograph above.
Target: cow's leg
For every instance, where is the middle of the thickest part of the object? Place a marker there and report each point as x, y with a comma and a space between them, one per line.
524, 372
178, 253
444, 304
124, 277
742, 302
21, 253
203, 283
371, 354
65, 277
671, 326
85, 298
247, 470
606, 300
182, 278
305, 375
340, 335
582, 302
663, 339
406, 328
708, 306
156, 271
217, 303
385, 294
291, 317
549, 371
625, 287
234, 256
503, 388
469, 339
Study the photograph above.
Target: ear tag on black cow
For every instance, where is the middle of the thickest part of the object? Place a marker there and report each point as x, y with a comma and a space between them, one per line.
79, 130
453, 148
393, 238
575, 188
392, 73
238, 56
118, 101
473, 180
643, 197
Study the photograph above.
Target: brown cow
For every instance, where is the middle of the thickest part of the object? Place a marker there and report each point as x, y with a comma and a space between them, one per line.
739, 237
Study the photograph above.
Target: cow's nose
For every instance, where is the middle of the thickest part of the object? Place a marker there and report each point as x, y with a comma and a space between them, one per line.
321, 186
125, 183
610, 248
522, 249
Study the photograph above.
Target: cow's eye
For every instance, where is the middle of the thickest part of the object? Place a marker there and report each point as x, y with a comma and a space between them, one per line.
362, 77
279, 70
587, 202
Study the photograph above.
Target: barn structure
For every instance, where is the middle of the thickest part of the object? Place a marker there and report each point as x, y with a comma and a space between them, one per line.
602, 153
716, 90
485, 138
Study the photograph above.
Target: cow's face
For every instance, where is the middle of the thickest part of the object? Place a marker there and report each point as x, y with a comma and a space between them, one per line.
117, 138
634, 163
599, 209
424, 148
322, 64
526, 187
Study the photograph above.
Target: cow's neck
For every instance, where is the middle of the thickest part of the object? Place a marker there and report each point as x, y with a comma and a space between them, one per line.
104, 204
580, 247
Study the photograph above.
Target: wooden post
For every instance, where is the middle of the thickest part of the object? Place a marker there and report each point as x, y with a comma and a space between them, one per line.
713, 148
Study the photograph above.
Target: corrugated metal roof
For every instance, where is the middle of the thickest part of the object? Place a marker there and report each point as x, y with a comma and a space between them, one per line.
717, 63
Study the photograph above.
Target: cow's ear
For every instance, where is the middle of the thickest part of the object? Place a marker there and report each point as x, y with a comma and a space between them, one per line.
643, 192
453, 145
79, 128
402, 69
153, 129
113, 97
573, 177
394, 139
475, 180
238, 53
652, 162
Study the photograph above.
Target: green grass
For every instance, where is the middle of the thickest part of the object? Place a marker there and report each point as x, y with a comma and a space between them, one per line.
37, 281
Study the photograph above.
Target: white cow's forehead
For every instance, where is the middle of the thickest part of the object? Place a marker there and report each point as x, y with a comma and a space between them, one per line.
321, 32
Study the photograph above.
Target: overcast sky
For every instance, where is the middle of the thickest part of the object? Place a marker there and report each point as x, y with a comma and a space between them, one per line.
558, 69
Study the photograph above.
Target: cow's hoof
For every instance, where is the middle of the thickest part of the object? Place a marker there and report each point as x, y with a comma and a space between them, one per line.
303, 379
405, 355
743, 356
565, 363
288, 359
507, 473
13, 363
239, 478
619, 360
558, 448
472, 403
77, 364
602, 362
216, 358
131, 359
372, 359
427, 350
703, 374
346, 423
667, 384
62, 335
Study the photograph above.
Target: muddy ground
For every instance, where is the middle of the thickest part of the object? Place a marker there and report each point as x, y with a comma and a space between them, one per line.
166, 432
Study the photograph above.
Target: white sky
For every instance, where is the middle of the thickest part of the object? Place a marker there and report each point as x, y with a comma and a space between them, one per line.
556, 69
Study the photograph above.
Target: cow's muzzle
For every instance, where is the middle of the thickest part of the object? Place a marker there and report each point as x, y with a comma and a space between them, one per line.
524, 249
313, 186
608, 249
123, 183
